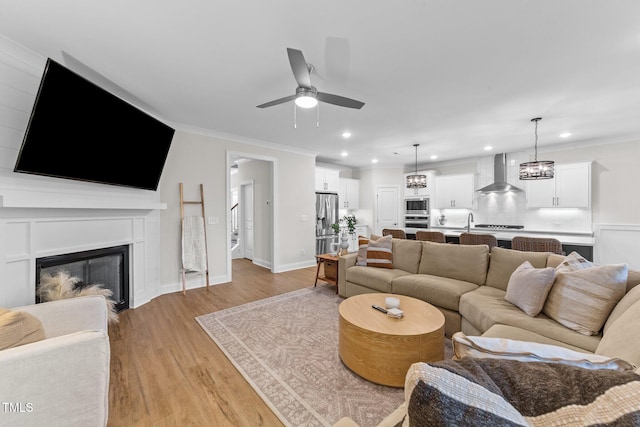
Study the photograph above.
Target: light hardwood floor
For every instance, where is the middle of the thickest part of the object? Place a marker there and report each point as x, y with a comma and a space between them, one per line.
166, 371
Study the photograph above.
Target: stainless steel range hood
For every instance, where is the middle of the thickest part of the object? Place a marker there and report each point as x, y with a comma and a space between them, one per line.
500, 184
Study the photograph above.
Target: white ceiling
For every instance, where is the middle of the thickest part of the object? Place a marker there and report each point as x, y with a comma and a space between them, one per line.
453, 76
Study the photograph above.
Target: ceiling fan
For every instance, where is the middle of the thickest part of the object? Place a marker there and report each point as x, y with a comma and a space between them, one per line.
307, 96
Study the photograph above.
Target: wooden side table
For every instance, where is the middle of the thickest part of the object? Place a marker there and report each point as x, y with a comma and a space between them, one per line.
330, 269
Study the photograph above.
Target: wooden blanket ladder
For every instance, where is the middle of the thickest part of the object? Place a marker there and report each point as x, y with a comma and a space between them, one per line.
204, 219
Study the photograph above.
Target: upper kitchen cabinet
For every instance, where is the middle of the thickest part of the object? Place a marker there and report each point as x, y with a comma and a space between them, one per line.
569, 188
327, 179
454, 191
419, 192
349, 194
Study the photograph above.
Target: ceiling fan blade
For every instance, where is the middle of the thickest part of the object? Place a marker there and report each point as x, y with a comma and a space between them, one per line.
339, 100
277, 101
299, 67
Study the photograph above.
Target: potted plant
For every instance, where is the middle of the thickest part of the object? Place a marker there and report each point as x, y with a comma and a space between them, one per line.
351, 227
351, 223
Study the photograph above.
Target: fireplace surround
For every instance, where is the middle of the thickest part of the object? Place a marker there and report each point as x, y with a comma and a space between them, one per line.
108, 267
38, 231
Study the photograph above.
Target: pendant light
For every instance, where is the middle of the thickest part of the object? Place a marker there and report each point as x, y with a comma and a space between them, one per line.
416, 181
542, 169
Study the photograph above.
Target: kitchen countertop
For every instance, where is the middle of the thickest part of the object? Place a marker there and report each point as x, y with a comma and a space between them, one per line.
567, 238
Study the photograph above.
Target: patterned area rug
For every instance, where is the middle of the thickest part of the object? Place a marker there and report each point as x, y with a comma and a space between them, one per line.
286, 347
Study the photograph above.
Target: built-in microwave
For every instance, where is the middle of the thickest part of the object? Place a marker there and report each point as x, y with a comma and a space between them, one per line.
416, 205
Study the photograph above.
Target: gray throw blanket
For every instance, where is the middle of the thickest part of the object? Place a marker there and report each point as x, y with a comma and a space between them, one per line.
493, 392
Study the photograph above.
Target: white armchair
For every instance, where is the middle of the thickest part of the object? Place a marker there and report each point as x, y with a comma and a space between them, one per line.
64, 379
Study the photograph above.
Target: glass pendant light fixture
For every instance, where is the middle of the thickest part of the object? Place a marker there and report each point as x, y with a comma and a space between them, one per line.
415, 180
542, 169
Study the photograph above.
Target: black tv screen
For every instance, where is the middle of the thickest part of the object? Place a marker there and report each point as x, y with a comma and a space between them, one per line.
78, 130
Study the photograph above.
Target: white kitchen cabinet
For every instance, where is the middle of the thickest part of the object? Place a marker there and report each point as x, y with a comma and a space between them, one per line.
327, 179
419, 192
361, 230
454, 191
569, 188
349, 194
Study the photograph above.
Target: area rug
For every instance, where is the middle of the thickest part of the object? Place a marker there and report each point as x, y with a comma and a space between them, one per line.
286, 347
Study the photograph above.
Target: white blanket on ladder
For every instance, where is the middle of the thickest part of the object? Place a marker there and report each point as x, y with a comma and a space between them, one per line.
194, 255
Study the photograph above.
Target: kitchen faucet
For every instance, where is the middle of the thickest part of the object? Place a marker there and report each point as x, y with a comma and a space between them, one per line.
469, 221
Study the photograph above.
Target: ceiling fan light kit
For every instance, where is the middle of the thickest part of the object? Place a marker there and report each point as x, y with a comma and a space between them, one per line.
416, 180
538, 169
306, 98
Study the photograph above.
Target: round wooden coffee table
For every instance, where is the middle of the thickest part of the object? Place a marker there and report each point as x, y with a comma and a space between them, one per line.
380, 348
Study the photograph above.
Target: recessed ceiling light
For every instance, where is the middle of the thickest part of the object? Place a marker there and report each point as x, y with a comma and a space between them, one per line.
346, 134
565, 135
433, 157
344, 154
374, 160
488, 148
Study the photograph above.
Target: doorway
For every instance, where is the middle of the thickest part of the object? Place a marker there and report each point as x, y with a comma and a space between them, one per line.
251, 196
387, 208
246, 234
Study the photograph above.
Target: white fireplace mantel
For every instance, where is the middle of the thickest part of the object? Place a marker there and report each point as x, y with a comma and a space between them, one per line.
46, 200
32, 229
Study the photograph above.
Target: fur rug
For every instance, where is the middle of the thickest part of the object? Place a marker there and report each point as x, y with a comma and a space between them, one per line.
61, 286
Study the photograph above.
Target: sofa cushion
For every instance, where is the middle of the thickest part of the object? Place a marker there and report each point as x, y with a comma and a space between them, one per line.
505, 261
502, 348
583, 299
554, 260
486, 307
623, 305
462, 262
378, 279
407, 255
18, 328
633, 280
439, 291
528, 287
622, 338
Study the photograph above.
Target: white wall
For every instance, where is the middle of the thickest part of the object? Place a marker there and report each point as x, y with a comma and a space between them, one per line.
195, 159
370, 179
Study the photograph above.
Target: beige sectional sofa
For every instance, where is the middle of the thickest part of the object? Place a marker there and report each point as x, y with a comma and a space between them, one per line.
468, 284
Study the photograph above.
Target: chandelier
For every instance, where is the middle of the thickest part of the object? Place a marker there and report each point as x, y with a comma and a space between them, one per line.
542, 169
415, 180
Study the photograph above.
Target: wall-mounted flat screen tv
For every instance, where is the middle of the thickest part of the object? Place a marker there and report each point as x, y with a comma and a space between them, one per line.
78, 130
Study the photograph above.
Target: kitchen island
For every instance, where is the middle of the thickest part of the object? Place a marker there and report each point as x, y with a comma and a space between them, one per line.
580, 242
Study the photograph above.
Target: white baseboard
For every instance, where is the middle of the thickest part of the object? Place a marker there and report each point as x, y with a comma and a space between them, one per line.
296, 265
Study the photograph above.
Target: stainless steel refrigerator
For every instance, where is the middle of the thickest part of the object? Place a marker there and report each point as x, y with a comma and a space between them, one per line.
326, 214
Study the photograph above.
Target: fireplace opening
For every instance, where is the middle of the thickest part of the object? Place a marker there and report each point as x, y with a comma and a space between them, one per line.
108, 267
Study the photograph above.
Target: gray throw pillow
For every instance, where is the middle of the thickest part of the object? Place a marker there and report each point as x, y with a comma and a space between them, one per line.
528, 287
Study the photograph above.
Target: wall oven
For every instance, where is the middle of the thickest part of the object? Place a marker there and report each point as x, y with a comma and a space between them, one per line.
416, 221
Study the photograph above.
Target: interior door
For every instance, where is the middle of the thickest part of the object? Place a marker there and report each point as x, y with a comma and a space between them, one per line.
247, 220
387, 208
